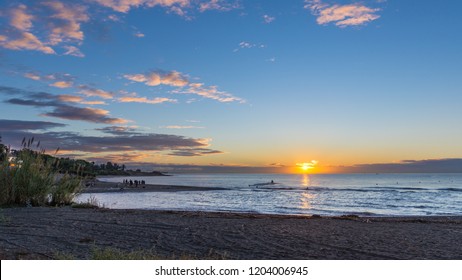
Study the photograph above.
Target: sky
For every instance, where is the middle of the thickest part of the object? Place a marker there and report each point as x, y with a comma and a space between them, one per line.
236, 85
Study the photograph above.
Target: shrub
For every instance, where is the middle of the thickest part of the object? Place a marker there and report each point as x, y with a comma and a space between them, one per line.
30, 179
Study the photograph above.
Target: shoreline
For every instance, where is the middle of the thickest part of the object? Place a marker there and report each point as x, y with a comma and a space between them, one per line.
98, 186
45, 233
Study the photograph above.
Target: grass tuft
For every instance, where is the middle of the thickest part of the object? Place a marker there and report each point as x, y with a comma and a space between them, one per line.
29, 178
91, 203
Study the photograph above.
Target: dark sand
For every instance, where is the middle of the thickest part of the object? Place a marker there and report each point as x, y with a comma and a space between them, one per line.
104, 187
41, 233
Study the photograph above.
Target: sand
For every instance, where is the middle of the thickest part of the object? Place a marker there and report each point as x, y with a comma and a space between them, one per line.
105, 187
50, 233
45, 233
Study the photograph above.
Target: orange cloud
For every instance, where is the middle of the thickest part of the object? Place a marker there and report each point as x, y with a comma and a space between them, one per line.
181, 81
32, 76
78, 99
20, 19
89, 91
62, 84
341, 15
59, 23
25, 41
156, 78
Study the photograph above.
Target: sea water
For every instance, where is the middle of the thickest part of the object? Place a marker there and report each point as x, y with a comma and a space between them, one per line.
299, 194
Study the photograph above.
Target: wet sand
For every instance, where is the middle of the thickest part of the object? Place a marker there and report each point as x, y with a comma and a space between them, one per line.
42, 233
97, 186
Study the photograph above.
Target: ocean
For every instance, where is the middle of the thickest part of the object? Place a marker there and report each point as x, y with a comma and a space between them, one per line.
299, 194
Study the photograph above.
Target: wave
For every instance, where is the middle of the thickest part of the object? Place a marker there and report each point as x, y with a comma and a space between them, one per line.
384, 189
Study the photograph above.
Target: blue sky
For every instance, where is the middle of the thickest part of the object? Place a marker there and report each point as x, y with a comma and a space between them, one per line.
265, 84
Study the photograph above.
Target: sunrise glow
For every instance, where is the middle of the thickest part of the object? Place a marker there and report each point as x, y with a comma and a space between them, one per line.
159, 85
306, 167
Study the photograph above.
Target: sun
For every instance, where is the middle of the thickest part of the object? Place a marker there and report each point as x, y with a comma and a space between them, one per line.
307, 166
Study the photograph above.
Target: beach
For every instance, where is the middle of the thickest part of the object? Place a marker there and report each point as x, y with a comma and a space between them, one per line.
97, 186
54, 232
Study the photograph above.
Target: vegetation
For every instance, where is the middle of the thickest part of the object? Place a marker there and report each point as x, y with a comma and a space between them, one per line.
30, 178
91, 203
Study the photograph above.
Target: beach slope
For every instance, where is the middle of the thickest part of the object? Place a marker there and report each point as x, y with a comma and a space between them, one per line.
45, 233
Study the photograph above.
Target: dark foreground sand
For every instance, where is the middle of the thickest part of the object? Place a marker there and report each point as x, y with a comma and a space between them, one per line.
31, 233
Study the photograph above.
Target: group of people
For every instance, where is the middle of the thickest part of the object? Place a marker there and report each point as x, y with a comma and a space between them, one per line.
133, 182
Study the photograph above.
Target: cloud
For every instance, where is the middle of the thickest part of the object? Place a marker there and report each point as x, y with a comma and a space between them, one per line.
451, 165
181, 126
211, 92
219, 5
11, 125
138, 34
123, 6
32, 76
156, 100
93, 115
20, 37
114, 145
78, 99
119, 130
68, 78
268, 19
14, 91
20, 19
341, 15
182, 85
247, 45
191, 168
114, 18
58, 22
59, 80
60, 109
66, 81
74, 51
62, 84
194, 152
92, 92
156, 78
24, 41
65, 21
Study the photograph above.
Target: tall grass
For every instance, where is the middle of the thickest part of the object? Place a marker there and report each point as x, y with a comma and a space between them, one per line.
30, 179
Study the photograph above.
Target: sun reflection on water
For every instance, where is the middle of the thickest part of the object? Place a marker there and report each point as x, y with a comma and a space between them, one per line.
306, 199
305, 180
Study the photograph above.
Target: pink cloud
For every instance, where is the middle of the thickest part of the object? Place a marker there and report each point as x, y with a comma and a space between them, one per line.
182, 84
123, 6
25, 41
68, 17
78, 99
341, 15
220, 5
62, 84
91, 92
59, 22
156, 78
20, 19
